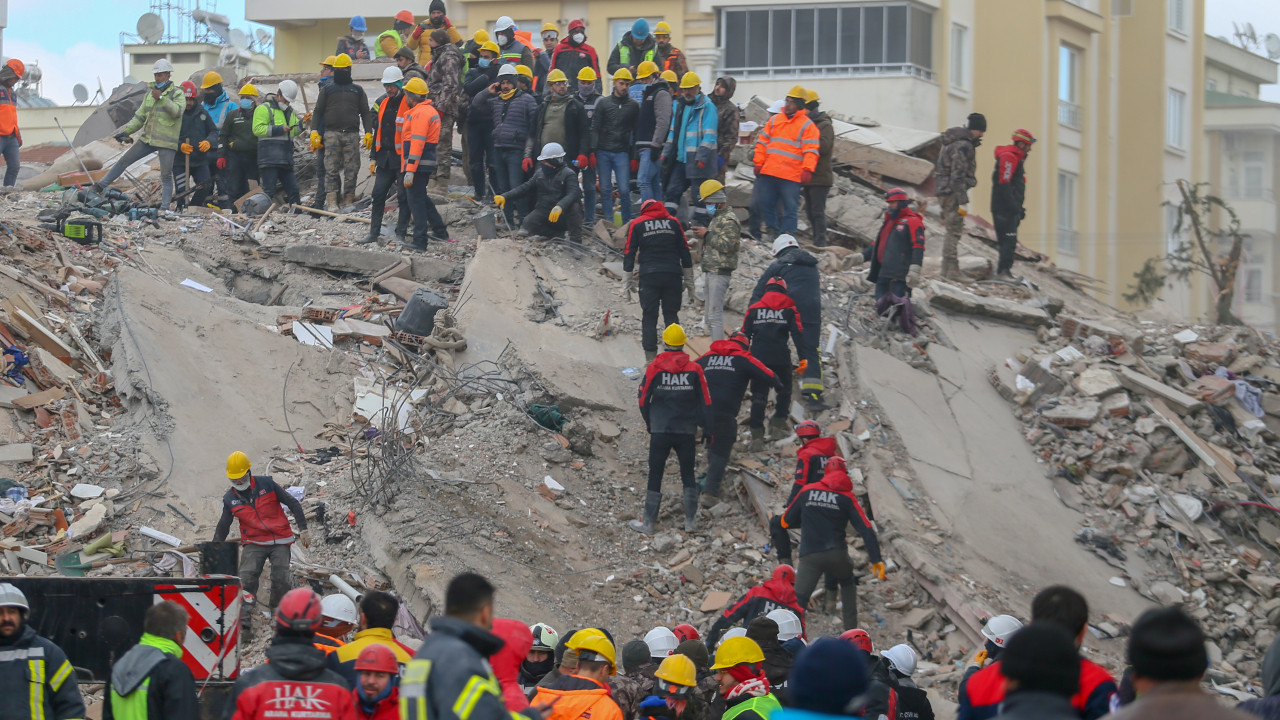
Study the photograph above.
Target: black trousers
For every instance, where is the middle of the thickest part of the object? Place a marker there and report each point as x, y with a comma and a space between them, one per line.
760, 395
658, 290
1006, 239
815, 208
660, 447
425, 215
724, 430
480, 145
240, 170
538, 222
383, 181
283, 177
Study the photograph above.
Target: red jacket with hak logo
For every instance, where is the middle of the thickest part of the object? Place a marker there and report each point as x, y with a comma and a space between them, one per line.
811, 463
674, 396
822, 509
769, 323
293, 685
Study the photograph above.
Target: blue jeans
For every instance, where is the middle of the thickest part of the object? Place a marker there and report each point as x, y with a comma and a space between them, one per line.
509, 174
770, 191
608, 166
12, 163
649, 177
888, 285
589, 196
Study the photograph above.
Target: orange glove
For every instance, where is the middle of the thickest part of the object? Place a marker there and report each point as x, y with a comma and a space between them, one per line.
204, 146
804, 364
186, 148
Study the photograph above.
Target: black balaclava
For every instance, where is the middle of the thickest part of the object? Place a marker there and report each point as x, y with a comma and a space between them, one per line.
342, 76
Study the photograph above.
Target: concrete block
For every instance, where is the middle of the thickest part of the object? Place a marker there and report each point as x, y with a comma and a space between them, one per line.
1116, 404
1212, 389
1136, 381
1073, 415
1097, 382
1211, 353
953, 298
366, 262
8, 394
17, 452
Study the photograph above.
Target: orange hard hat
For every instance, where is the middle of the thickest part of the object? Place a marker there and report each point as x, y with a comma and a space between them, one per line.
16, 65
405, 16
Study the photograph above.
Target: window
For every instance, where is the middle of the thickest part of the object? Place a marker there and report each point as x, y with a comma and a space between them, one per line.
959, 56
1068, 86
1253, 168
1178, 16
885, 38
1211, 84
1068, 241
1250, 272
1173, 236
1174, 135
617, 28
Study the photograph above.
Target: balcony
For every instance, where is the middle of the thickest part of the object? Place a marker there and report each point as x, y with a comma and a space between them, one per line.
1069, 114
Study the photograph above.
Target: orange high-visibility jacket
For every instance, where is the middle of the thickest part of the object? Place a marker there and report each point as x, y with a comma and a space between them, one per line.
402, 109
787, 145
421, 133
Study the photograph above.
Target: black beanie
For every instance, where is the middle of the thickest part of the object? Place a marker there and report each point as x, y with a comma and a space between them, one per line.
1167, 644
436, 5
561, 646
634, 655
1042, 657
764, 630
977, 121
695, 650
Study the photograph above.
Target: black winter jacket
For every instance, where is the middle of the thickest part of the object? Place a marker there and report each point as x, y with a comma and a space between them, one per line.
477, 81
576, 129
341, 108
512, 119
673, 395
823, 509
196, 126
237, 133
59, 694
614, 123
552, 187
769, 322
899, 245
1009, 182
800, 270
729, 369
171, 692
654, 119
659, 242
1037, 706
452, 662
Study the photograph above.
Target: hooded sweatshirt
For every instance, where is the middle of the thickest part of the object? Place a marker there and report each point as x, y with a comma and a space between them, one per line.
657, 242
776, 593
294, 666
506, 662
729, 368
769, 322
726, 117
152, 676
811, 463
823, 509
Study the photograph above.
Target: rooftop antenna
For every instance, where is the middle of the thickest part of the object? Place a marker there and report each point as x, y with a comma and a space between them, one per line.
150, 28
1272, 43
80, 93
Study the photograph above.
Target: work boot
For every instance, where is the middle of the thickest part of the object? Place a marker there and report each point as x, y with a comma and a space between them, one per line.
778, 428
652, 500
348, 199
757, 439
331, 201
649, 355
716, 464
815, 404
690, 508
402, 234
1007, 276
372, 237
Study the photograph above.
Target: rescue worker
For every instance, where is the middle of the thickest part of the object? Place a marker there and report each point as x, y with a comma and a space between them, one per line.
353, 44
337, 619
275, 126
482, 73
727, 121
326, 70
636, 46
1042, 668
653, 122
777, 661
690, 151
1008, 192
675, 402
218, 103
859, 638
612, 126
436, 20
818, 186
891, 692
511, 111
541, 657
898, 250
740, 673
562, 120
953, 176
708, 689
822, 510
150, 681
516, 640
785, 156
729, 367
375, 694
257, 503
510, 50
160, 119
197, 136
238, 146
377, 617
295, 669
326, 79
721, 239
408, 64
829, 680
418, 143
589, 96
450, 672
666, 55
769, 322
811, 464
36, 680
542, 56
341, 111
390, 111
755, 218
632, 686
573, 54
674, 691
524, 81
10, 135
584, 694
800, 270
389, 41
444, 80
778, 591
656, 240
557, 200
982, 691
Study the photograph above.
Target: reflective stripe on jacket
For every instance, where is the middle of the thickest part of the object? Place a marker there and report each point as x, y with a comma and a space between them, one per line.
402, 109
160, 120
36, 681
787, 146
419, 138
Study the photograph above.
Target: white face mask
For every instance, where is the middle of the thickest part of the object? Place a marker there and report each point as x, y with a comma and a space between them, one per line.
578, 38
502, 39
356, 34
241, 486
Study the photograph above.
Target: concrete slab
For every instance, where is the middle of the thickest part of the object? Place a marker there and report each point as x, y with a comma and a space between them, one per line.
367, 262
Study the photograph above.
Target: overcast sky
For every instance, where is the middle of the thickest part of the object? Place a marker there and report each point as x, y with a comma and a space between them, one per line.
83, 44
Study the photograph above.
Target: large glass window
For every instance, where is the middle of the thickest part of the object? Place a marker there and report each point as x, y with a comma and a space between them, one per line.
1068, 240
1069, 86
959, 57
1175, 120
1178, 15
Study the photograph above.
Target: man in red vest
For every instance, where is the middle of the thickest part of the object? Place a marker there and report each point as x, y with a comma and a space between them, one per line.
258, 503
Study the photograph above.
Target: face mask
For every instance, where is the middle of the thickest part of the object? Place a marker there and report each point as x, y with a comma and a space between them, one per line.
246, 103
577, 38
586, 89
502, 39
241, 486
485, 62
163, 85
711, 209
355, 35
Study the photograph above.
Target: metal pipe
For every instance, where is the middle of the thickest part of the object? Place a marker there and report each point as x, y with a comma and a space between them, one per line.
73, 149
345, 588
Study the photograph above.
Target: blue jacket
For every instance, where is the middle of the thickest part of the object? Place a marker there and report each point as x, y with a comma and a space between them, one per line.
797, 714
512, 119
693, 135
220, 107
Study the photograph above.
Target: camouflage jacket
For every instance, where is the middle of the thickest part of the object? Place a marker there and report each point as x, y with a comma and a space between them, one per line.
629, 690
957, 164
720, 244
444, 80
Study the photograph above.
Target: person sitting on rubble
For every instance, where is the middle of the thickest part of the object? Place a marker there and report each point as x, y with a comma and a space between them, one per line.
150, 681
557, 206
160, 119
769, 322
353, 44
376, 694
729, 367
777, 592
198, 135
275, 126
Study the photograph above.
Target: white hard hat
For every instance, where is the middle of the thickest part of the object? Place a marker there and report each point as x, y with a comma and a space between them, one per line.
550, 151
162, 65
661, 641
777, 107
11, 596
289, 89
339, 607
544, 638
392, 75
507, 70
1000, 628
504, 23
901, 658
733, 633
783, 242
788, 624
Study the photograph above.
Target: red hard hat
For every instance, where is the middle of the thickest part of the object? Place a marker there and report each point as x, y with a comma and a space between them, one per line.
838, 462
189, 89
1025, 136
741, 338
858, 637
777, 281
685, 631
896, 195
16, 65
405, 16
785, 573
299, 610
808, 429
378, 658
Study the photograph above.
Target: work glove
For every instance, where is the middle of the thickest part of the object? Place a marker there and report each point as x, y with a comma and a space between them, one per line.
806, 176
221, 163
408, 179
635, 166
500, 201
368, 141
913, 277
581, 162
980, 658
802, 366
316, 142
305, 538
877, 570
701, 166
373, 168
526, 164
688, 282
554, 215
759, 169
417, 32
186, 148
204, 146
123, 137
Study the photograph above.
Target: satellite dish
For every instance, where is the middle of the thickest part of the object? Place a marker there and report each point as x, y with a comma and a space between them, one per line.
80, 93
150, 28
264, 37
229, 56
1273, 46
1249, 33
239, 40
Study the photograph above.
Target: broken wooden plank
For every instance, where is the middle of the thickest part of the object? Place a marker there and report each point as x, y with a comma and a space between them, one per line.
1198, 446
35, 400
757, 495
43, 336
1136, 381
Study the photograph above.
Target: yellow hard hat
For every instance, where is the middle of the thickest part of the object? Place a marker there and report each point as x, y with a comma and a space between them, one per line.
249, 89
678, 669
811, 96
342, 61
524, 70
797, 92
550, 27
586, 74
645, 69
690, 80
237, 465
416, 85
593, 646
736, 651
491, 46
623, 74
674, 335
328, 62
557, 75
669, 76
211, 78
662, 28
709, 187
481, 37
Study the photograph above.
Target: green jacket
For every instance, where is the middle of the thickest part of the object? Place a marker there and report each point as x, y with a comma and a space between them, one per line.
237, 133
160, 120
720, 244
275, 148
